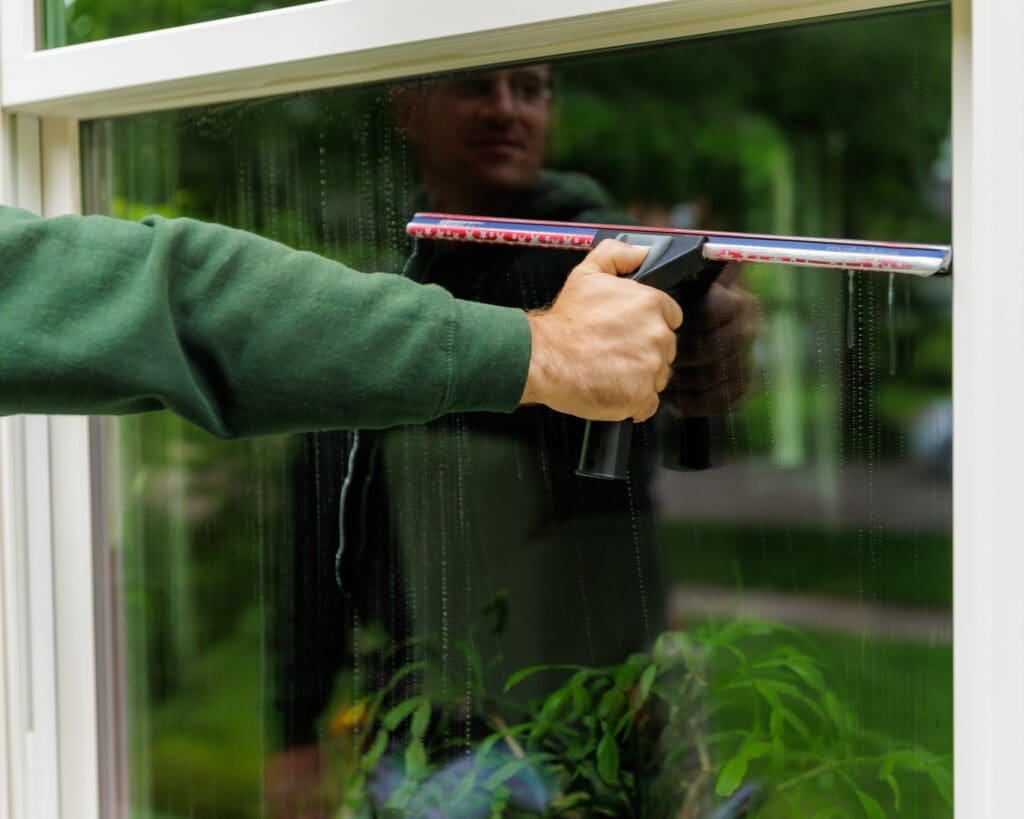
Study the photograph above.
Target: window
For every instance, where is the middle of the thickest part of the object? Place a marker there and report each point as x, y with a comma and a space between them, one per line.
30, 89
247, 667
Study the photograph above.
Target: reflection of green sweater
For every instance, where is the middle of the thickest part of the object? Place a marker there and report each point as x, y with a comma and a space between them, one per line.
238, 334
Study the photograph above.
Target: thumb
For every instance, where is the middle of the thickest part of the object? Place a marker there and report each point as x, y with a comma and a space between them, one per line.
614, 258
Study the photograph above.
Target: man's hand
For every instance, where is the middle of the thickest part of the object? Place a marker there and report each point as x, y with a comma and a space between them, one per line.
712, 369
604, 349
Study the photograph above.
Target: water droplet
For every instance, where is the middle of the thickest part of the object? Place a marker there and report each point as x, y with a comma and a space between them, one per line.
892, 326
849, 309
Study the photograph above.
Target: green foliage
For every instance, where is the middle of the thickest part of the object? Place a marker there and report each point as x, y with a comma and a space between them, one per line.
741, 710
81, 21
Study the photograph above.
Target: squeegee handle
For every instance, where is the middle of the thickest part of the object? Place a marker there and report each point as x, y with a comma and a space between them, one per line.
676, 266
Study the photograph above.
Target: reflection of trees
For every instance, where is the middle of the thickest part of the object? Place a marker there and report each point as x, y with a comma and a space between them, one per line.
192, 541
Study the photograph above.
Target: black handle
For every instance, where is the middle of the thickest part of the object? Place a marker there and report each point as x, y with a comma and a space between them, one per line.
675, 264
686, 444
605, 451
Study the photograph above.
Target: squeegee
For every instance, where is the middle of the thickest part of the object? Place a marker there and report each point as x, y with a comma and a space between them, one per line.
684, 263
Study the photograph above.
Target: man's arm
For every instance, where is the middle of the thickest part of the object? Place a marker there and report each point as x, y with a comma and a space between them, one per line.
244, 336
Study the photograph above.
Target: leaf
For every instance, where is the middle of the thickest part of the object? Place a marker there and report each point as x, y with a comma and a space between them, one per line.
805, 668
538, 731
554, 703
608, 758
782, 714
646, 682
626, 674
934, 767
415, 760
870, 805
372, 757
488, 743
421, 720
755, 750
395, 717
523, 673
611, 704
581, 700
499, 801
885, 773
839, 713
625, 722
894, 786
731, 776
580, 748
774, 690
464, 788
570, 800
505, 773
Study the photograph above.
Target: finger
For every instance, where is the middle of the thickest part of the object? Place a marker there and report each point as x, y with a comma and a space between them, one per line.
614, 258
710, 350
672, 313
717, 401
720, 307
649, 408
671, 350
663, 378
706, 376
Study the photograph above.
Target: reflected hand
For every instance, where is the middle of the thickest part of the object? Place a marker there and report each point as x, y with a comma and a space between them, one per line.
603, 350
712, 370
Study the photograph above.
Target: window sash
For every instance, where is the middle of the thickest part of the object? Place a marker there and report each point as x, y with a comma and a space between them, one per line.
364, 40
340, 42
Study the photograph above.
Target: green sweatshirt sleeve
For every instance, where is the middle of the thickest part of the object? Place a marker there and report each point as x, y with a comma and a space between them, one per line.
239, 334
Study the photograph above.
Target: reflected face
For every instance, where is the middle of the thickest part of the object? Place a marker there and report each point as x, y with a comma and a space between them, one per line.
481, 133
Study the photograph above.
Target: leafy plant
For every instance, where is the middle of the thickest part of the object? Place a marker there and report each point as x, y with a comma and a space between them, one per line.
729, 719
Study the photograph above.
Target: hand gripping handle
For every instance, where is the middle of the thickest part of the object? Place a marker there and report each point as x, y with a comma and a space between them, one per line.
676, 265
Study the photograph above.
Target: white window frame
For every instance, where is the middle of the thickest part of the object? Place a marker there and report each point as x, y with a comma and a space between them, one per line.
56, 737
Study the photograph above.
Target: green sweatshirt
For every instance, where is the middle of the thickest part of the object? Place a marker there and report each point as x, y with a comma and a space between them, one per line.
239, 334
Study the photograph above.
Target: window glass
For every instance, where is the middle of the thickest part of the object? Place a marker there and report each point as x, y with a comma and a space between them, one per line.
67, 22
445, 619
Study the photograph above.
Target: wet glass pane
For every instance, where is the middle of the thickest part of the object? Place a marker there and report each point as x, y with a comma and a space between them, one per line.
67, 22
445, 620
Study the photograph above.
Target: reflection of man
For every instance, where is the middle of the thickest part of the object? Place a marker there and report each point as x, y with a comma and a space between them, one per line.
480, 138
470, 507
576, 556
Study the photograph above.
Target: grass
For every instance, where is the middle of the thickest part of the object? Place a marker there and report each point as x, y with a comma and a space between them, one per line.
907, 568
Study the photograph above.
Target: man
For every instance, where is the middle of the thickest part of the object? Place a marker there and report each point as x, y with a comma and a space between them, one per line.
244, 336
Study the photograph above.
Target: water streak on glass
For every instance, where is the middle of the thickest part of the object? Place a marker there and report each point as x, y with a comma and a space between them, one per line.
445, 616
